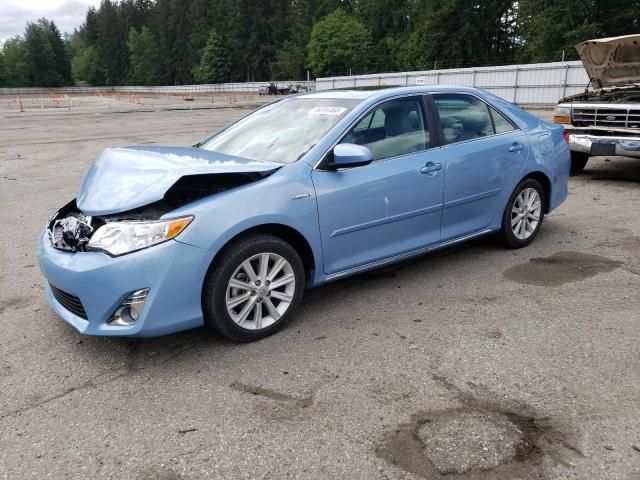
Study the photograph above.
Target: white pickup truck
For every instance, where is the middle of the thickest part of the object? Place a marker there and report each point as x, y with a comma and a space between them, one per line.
604, 120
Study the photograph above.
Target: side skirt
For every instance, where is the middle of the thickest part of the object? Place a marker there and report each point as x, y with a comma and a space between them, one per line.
404, 256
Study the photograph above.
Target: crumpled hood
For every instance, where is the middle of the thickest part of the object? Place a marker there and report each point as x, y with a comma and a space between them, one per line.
611, 62
122, 179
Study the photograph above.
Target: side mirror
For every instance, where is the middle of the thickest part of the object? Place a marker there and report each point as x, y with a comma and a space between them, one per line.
347, 155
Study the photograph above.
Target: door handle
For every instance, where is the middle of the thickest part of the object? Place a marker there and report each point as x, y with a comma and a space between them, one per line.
516, 147
431, 168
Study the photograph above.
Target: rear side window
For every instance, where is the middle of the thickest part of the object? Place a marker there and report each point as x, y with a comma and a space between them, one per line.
393, 128
500, 123
465, 117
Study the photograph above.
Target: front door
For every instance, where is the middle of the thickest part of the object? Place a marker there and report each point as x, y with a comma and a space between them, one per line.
391, 206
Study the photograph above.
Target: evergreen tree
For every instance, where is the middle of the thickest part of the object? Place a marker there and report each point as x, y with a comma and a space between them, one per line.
549, 28
144, 56
49, 65
206, 16
617, 17
16, 60
291, 61
62, 61
4, 79
463, 33
89, 29
111, 42
339, 44
171, 24
86, 67
215, 65
281, 39
389, 22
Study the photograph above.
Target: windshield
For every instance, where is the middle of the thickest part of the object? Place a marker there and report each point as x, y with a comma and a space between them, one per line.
283, 131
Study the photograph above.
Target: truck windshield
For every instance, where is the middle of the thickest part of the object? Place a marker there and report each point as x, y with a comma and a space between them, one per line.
283, 131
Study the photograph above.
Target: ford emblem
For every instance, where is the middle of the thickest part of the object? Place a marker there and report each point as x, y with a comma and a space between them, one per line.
611, 118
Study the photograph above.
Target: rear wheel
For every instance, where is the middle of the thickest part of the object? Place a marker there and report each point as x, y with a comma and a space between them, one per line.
523, 216
254, 288
578, 161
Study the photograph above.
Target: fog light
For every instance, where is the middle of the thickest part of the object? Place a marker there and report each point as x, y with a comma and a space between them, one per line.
130, 310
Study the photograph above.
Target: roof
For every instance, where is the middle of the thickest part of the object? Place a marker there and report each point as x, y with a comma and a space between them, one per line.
349, 94
356, 94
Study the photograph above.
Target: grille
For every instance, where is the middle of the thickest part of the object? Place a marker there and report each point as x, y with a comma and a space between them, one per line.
70, 302
606, 117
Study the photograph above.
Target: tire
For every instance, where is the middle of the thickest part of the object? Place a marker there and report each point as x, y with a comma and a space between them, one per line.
515, 233
252, 306
578, 161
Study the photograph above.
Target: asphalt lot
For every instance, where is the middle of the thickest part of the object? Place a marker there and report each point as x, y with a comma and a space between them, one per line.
474, 362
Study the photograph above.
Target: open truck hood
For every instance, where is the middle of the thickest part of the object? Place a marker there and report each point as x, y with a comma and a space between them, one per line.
611, 62
122, 179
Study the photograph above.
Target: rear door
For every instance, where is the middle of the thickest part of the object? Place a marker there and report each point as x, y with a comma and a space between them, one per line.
484, 155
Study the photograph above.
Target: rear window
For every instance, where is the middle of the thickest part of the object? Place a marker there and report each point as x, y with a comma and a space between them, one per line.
465, 117
500, 123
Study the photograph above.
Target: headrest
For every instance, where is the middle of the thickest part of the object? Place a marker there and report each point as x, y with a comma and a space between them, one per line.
397, 121
413, 119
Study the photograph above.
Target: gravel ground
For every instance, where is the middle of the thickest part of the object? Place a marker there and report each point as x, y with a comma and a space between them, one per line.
474, 362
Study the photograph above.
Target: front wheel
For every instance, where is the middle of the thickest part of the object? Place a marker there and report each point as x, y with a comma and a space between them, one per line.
523, 216
578, 161
253, 288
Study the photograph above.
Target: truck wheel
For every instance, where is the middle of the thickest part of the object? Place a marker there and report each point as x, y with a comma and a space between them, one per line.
578, 161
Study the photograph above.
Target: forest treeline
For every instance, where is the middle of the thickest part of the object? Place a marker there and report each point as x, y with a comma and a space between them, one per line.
166, 42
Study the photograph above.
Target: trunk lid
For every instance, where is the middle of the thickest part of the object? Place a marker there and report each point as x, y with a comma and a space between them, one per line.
611, 62
122, 179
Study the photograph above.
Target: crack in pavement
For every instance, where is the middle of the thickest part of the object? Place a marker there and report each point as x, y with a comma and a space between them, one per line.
127, 368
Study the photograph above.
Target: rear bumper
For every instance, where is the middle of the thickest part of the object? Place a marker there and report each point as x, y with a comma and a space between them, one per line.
605, 145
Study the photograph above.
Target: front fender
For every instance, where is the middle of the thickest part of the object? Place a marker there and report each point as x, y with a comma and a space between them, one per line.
286, 198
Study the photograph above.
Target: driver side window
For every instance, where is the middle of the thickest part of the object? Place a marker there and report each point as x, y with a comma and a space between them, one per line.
393, 128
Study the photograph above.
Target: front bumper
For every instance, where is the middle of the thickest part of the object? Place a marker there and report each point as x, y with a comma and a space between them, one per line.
605, 145
173, 271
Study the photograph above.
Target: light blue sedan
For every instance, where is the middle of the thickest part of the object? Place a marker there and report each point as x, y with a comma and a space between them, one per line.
309, 189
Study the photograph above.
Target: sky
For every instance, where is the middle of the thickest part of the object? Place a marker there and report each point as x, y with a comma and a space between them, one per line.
67, 14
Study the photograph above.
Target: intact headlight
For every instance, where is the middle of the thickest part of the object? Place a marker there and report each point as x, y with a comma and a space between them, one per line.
117, 238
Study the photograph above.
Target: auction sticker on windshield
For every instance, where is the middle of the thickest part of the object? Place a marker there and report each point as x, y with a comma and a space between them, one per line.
327, 111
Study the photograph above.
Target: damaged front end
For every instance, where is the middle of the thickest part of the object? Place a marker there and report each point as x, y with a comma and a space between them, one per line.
71, 230
125, 200
68, 229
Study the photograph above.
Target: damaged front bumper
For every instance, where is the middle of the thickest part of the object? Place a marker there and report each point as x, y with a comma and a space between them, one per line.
605, 145
86, 288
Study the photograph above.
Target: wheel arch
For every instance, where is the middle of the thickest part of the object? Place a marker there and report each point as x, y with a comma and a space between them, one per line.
285, 232
543, 180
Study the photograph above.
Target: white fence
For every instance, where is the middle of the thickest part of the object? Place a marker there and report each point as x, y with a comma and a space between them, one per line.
540, 84
167, 89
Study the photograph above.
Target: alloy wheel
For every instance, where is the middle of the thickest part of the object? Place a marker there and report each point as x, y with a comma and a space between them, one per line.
260, 291
525, 214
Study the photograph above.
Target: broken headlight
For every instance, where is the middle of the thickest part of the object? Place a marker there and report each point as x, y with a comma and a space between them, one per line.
118, 238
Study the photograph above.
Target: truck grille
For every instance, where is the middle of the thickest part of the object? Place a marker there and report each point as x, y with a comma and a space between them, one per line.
70, 302
606, 117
